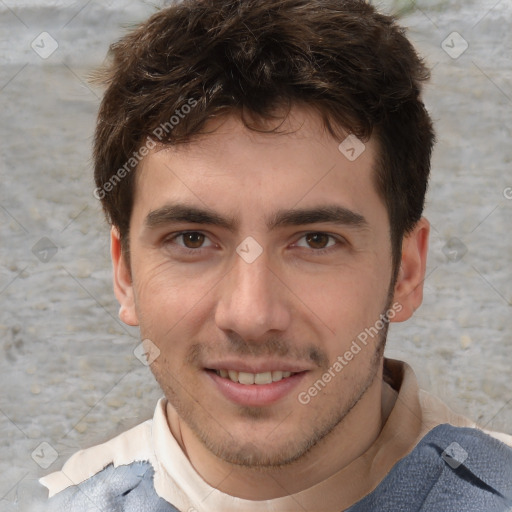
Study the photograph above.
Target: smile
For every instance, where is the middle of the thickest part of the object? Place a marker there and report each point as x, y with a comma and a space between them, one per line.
254, 378
255, 389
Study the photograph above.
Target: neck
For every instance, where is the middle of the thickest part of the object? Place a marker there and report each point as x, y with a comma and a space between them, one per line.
345, 443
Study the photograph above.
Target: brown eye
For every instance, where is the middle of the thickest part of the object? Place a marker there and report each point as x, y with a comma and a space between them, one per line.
317, 240
193, 240
188, 243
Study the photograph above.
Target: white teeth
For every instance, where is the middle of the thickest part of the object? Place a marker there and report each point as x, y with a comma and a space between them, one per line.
263, 378
246, 378
277, 375
253, 378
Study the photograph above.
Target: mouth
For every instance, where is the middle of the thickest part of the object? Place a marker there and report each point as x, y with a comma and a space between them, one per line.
259, 389
257, 379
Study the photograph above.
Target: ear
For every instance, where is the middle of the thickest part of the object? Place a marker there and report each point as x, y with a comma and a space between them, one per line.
123, 286
409, 285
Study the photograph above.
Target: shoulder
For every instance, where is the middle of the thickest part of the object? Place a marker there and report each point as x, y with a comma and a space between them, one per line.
126, 488
486, 457
123, 474
436, 412
451, 468
124, 449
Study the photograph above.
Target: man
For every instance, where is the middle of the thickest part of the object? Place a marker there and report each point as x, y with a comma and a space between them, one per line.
263, 164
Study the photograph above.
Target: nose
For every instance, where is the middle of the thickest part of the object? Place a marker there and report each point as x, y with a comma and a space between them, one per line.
253, 302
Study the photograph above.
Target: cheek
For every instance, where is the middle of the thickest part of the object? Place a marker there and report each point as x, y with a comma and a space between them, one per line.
345, 301
169, 301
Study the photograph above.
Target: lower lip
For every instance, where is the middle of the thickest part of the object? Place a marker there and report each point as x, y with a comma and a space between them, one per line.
256, 395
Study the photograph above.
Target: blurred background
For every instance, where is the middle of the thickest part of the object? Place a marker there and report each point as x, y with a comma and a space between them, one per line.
69, 377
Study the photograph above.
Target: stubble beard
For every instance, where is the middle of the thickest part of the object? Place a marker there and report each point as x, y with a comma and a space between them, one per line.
248, 455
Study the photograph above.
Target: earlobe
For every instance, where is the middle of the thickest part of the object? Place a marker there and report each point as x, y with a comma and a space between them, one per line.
123, 286
409, 285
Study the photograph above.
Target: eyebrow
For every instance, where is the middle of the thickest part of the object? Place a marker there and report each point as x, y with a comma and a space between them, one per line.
332, 214
173, 213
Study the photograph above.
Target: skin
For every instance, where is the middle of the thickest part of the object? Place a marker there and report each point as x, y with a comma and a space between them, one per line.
293, 305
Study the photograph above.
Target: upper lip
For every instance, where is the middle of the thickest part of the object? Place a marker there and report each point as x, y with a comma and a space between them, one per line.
258, 367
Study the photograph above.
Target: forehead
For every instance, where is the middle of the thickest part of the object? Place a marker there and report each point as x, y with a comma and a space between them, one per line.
231, 167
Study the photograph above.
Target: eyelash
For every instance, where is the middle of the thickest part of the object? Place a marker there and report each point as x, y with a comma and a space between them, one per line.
187, 250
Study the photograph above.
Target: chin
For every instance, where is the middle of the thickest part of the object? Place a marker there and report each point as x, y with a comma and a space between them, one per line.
259, 455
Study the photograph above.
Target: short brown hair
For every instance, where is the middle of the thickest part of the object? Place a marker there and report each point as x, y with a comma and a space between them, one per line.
352, 65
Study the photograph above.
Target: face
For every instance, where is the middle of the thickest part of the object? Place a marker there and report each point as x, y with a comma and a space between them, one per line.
256, 261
